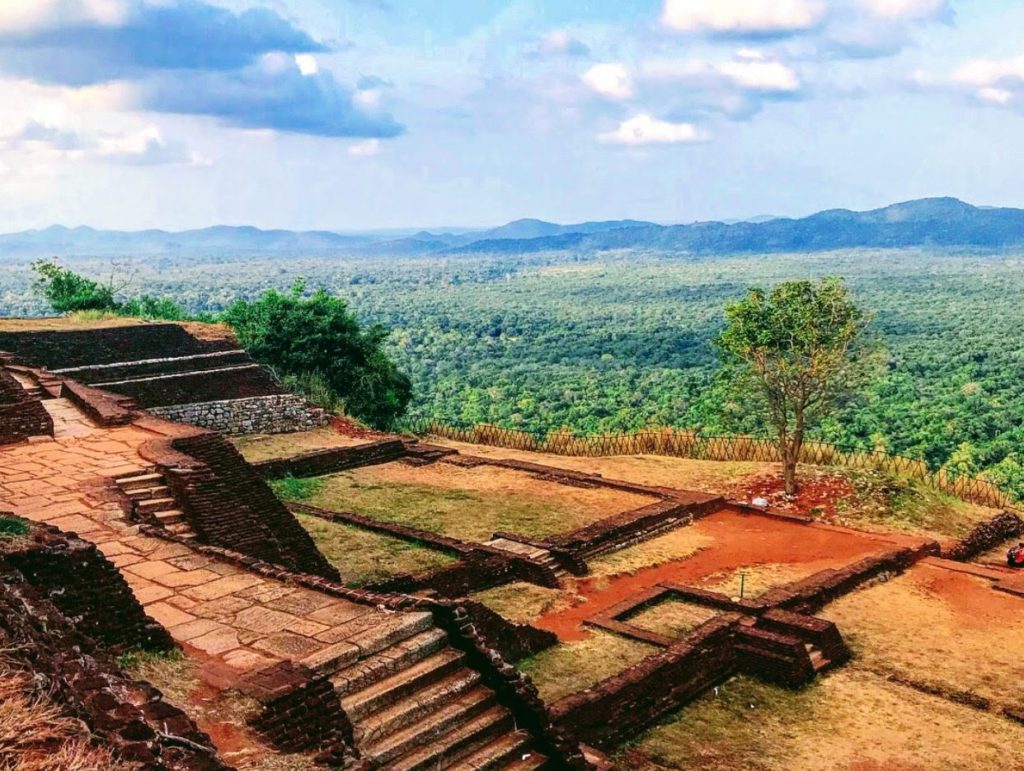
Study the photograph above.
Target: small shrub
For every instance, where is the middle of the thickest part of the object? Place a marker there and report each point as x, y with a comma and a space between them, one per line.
13, 528
294, 489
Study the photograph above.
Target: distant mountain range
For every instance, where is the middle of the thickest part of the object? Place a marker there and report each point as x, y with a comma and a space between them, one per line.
931, 222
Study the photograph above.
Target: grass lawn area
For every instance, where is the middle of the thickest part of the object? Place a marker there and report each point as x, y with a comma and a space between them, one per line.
363, 556
672, 618
677, 544
570, 667
469, 504
848, 721
257, 447
521, 602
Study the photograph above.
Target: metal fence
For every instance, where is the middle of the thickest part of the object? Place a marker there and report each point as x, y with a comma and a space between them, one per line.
681, 443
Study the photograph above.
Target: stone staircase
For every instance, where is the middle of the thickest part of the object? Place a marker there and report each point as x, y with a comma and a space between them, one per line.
415, 705
153, 502
535, 553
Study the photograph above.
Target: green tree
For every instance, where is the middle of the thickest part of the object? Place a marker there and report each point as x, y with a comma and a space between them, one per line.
67, 291
795, 348
317, 339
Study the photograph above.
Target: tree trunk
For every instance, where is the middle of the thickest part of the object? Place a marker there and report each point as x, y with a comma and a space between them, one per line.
789, 471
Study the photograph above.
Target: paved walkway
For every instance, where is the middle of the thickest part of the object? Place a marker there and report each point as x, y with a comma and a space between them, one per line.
243, 620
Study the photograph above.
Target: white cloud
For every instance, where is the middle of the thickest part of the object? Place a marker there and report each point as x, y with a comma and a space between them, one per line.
146, 147
610, 79
743, 17
31, 15
990, 72
906, 9
307, 64
750, 71
643, 129
561, 43
998, 96
365, 149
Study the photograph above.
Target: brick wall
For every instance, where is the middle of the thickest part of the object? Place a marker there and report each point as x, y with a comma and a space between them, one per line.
75, 576
987, 535
229, 505
42, 629
198, 387
77, 348
332, 460
277, 414
620, 707
21, 415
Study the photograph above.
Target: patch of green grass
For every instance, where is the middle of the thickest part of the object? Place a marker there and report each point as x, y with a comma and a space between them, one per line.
735, 727
570, 667
363, 556
463, 514
13, 528
295, 489
133, 661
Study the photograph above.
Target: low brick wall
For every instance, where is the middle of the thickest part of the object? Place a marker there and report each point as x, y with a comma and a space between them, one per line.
620, 707
773, 656
75, 576
411, 534
987, 535
103, 407
196, 387
21, 415
279, 414
334, 459
616, 531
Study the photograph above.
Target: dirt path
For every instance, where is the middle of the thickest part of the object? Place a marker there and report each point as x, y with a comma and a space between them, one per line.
736, 541
234, 621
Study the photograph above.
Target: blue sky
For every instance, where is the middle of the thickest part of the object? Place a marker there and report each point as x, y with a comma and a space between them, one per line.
362, 114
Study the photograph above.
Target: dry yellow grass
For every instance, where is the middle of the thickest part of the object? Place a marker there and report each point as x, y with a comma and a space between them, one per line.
849, 721
570, 667
757, 579
939, 627
672, 618
521, 602
35, 735
678, 544
258, 447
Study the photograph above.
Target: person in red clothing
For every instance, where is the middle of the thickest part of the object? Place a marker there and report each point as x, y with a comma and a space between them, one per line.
1015, 557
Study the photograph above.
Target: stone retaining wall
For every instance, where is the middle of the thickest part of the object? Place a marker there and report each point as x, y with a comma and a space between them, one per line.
277, 414
986, 535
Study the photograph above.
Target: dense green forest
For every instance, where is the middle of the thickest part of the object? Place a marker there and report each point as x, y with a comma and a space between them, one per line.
622, 340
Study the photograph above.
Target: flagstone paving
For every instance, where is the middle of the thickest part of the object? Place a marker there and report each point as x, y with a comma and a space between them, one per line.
214, 608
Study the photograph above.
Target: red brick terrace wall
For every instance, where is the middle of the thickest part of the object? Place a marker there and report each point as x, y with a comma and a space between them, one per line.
229, 505
21, 416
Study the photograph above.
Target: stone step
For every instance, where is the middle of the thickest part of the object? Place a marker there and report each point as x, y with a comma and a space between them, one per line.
390, 689
433, 749
181, 529
139, 480
142, 493
498, 753
170, 517
153, 505
399, 656
374, 728
531, 762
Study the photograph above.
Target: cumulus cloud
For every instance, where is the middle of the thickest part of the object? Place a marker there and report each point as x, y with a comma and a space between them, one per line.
743, 17
146, 147
997, 82
610, 79
748, 71
644, 129
251, 68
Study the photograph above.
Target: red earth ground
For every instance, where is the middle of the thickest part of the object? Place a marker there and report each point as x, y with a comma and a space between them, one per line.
740, 540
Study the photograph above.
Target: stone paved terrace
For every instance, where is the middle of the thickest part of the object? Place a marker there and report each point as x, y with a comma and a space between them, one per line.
224, 614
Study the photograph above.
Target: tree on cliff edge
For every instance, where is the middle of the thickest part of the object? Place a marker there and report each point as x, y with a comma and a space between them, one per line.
317, 340
797, 349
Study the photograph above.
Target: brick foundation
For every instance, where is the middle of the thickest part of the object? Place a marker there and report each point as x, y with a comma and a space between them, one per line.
21, 415
332, 460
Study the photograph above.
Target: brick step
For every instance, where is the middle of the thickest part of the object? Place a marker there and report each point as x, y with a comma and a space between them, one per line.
387, 662
168, 517
499, 753
390, 689
153, 505
419, 705
139, 481
531, 762
181, 529
818, 659
447, 749
143, 493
